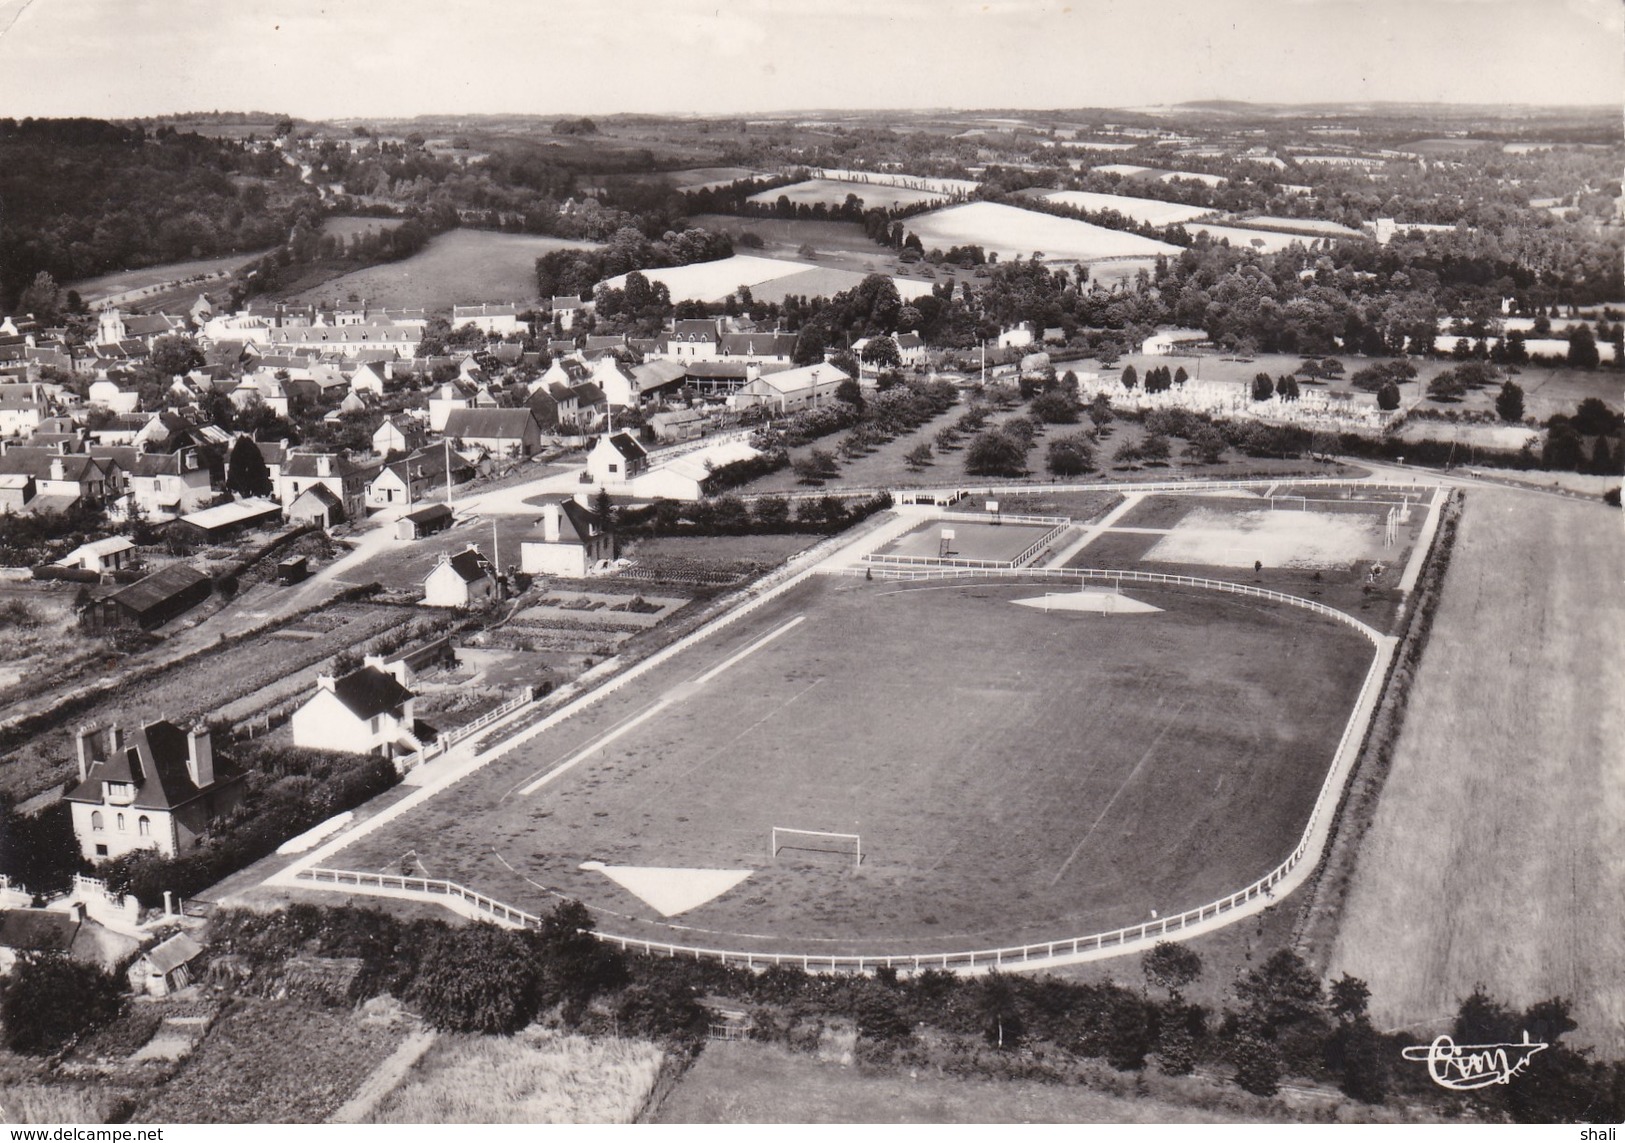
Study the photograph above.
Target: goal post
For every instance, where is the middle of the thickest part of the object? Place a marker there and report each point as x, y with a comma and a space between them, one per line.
1302, 504
818, 841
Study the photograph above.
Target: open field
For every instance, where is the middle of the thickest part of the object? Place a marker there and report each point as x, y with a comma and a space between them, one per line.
747, 1082
1266, 241
1011, 231
460, 267
108, 285
698, 178
761, 549
1316, 226
346, 225
842, 244
1299, 539
1147, 210
243, 1072
1005, 768
769, 279
534, 1077
834, 192
1506, 784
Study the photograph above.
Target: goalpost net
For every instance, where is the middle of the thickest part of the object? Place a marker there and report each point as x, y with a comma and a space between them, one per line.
818, 841
1285, 503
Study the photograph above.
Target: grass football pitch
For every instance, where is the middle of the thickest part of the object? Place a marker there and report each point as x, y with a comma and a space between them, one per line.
1015, 775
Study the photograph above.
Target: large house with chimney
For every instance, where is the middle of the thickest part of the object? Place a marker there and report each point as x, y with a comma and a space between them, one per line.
573, 539
159, 789
344, 478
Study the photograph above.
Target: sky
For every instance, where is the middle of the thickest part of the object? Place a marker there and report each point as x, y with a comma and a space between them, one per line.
321, 59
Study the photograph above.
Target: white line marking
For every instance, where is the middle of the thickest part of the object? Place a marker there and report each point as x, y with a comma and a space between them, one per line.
582, 755
587, 751
1149, 750
752, 649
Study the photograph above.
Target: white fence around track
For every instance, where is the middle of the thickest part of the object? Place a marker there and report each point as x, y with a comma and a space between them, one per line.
408, 762
1325, 804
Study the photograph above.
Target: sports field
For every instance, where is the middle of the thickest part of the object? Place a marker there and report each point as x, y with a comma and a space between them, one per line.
972, 540
1014, 773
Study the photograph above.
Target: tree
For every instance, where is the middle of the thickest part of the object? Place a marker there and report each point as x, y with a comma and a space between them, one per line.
1509, 402
48, 999
918, 457
1583, 347
1131, 378
1154, 447
42, 298
1287, 387
576, 966
1603, 462
1446, 387
1070, 456
882, 352
995, 452
1206, 444
1171, 966
1180, 376
816, 467
1263, 387
1388, 396
850, 392
1100, 410
246, 471
1055, 408
1282, 992
1348, 997
1564, 449
1257, 1061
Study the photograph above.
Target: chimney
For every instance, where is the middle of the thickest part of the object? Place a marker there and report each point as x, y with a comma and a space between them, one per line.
550, 523
324, 465
325, 682
200, 756
59, 470
115, 740
86, 742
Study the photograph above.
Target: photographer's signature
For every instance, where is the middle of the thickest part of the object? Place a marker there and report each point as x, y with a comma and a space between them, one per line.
1463, 1067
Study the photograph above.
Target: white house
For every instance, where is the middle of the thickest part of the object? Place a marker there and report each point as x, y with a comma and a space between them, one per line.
615, 459
108, 395
1015, 337
444, 401
464, 580
619, 384
108, 555
572, 540
368, 378
167, 485
1166, 341
397, 433
792, 389
694, 339
491, 320
368, 711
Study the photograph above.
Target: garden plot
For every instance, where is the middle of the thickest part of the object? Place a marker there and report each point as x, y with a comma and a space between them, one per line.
584, 607
1296, 539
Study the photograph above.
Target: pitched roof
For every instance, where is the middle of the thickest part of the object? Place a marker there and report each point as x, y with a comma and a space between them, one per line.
470, 565
305, 464
179, 949
368, 692
319, 492
695, 329
154, 760
158, 588
463, 313
38, 463
627, 447
501, 424
430, 514
588, 393
37, 930
758, 344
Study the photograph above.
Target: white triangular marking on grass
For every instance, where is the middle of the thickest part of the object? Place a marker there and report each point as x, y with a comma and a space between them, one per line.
671, 891
1103, 602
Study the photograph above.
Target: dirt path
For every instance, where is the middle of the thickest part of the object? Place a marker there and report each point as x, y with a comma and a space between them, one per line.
383, 1079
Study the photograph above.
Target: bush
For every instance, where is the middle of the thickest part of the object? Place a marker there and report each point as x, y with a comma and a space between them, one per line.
48, 999
476, 979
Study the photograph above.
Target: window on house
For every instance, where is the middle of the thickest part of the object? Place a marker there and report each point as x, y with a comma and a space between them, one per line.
101, 851
615, 468
121, 823
377, 721
96, 820
143, 826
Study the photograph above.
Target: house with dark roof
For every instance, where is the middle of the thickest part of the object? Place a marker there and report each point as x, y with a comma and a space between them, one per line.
761, 348
566, 309
149, 602
342, 475
694, 338
368, 711
61, 481
424, 522
464, 580
409, 479
573, 538
445, 400
316, 505
615, 459
397, 433
497, 320
159, 485
161, 788
510, 433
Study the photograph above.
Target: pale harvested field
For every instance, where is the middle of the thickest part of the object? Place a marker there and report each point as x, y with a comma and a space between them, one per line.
1010, 231
1497, 854
459, 267
534, 1077
1152, 211
833, 192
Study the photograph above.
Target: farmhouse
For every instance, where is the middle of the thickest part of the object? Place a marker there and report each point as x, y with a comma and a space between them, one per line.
160, 789
694, 339
573, 539
464, 580
149, 602
368, 711
511, 433
566, 309
555, 406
